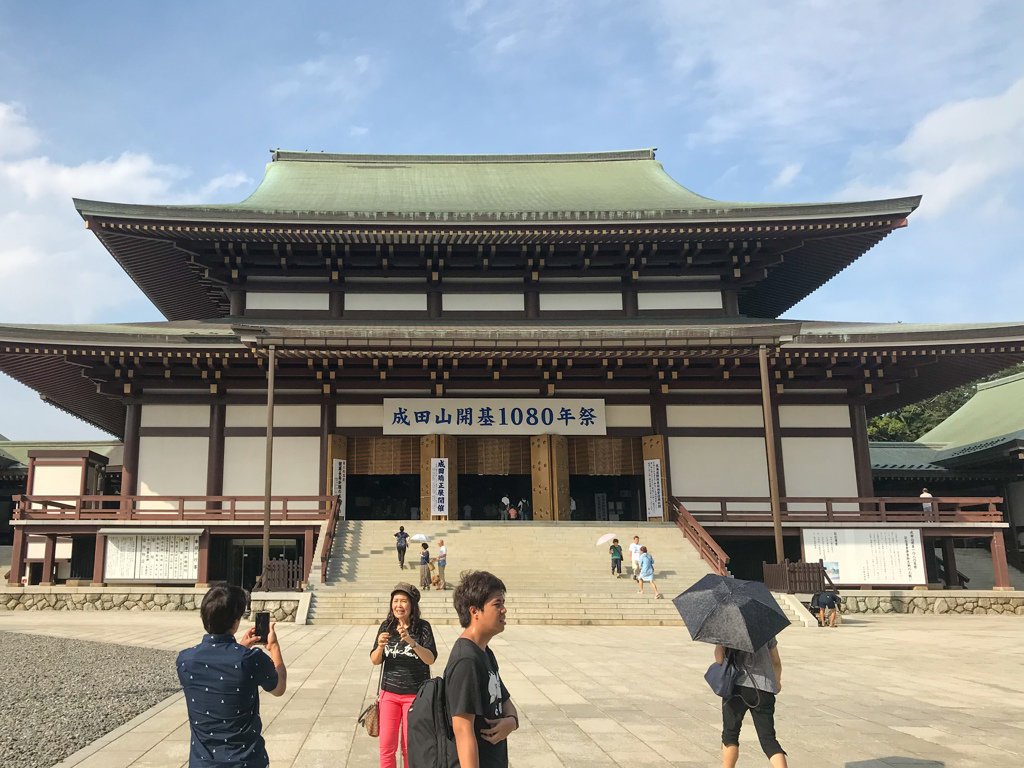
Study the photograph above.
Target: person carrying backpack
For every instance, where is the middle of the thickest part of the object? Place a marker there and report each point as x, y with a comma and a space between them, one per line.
482, 713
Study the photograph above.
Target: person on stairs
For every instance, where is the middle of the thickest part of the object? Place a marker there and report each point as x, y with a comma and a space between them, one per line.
425, 566
402, 543
405, 646
647, 572
616, 552
442, 561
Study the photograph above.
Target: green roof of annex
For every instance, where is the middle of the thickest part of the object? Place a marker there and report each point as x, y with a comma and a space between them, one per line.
595, 186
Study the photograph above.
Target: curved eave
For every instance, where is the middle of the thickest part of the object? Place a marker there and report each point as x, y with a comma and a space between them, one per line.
720, 212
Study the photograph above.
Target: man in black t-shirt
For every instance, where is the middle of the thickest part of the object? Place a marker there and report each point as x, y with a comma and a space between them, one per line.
482, 713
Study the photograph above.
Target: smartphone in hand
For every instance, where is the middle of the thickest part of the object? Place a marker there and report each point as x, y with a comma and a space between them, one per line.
262, 626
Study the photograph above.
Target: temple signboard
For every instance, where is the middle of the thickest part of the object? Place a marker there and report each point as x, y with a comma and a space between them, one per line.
493, 416
875, 556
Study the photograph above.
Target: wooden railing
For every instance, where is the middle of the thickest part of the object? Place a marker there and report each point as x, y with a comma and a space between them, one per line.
328, 542
885, 509
282, 576
710, 552
158, 508
797, 577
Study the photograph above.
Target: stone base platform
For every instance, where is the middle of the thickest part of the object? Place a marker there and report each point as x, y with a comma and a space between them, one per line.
282, 606
959, 601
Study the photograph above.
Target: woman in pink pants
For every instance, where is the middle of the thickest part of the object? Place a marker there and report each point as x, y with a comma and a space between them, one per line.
405, 646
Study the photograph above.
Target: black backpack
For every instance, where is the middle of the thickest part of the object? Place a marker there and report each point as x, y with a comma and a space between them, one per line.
431, 739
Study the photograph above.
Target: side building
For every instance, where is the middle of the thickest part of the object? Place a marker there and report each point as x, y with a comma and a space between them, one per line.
431, 334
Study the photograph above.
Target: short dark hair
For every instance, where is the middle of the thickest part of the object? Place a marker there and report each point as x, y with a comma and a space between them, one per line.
401, 527
615, 541
222, 606
425, 545
473, 590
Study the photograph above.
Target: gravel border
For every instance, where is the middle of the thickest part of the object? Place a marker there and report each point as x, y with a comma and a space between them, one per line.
60, 695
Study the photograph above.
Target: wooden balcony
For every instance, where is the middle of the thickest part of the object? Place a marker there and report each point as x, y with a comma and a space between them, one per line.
246, 509
803, 512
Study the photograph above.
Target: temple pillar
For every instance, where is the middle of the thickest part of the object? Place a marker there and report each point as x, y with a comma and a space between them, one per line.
20, 545
949, 562
202, 572
49, 550
99, 556
130, 463
308, 544
999, 567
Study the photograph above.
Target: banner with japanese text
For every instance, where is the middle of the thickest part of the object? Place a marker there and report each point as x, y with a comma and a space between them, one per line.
493, 416
339, 484
439, 487
652, 486
876, 556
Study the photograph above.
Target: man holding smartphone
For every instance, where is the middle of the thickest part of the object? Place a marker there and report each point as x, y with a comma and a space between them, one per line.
221, 678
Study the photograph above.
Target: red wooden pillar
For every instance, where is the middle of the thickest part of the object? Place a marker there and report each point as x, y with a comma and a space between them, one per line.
18, 556
949, 560
999, 568
202, 577
307, 553
98, 560
50, 549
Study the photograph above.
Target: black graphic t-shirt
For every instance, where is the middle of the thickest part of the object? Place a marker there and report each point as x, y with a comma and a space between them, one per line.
473, 687
403, 670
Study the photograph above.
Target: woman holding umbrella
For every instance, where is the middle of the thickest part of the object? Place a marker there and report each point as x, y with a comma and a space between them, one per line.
759, 681
741, 619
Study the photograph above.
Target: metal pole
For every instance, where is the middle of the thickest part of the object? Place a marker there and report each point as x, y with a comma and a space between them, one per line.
269, 470
769, 444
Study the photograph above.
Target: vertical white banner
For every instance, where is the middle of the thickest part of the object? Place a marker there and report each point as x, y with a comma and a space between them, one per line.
339, 484
600, 506
439, 487
652, 484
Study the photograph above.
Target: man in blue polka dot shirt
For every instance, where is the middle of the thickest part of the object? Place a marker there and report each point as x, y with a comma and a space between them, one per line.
221, 678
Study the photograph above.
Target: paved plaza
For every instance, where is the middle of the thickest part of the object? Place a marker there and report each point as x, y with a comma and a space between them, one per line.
922, 691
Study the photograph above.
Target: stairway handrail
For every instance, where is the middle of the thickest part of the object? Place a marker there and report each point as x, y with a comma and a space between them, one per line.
707, 547
328, 543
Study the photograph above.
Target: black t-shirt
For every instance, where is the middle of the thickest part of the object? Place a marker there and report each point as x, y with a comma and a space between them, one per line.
403, 670
402, 539
473, 686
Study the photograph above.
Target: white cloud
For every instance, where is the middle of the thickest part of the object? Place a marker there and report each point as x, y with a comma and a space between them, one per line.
358, 131
524, 26
787, 175
52, 269
16, 135
347, 80
959, 151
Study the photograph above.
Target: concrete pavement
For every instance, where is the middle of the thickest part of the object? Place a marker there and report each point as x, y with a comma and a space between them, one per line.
922, 691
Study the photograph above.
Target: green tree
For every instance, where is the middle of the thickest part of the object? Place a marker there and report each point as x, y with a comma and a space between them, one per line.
910, 422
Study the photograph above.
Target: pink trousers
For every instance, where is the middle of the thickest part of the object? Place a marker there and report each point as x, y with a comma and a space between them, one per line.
394, 712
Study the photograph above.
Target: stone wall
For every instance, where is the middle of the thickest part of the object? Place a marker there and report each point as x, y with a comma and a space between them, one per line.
944, 602
282, 607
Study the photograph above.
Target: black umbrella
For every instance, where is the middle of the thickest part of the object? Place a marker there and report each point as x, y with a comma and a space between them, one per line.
731, 612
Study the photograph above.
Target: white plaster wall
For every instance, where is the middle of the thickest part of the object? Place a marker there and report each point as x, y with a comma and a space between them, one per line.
36, 549
714, 416
718, 466
56, 481
566, 302
172, 466
814, 416
390, 302
483, 302
627, 415
679, 300
176, 416
295, 300
296, 467
819, 466
360, 416
284, 416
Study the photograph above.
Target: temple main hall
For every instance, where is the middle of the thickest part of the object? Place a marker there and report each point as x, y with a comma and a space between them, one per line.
425, 336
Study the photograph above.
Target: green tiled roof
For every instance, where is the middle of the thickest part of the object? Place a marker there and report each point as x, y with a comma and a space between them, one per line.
996, 409
904, 456
599, 186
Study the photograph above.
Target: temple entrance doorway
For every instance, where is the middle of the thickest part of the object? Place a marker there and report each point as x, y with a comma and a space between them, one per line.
490, 469
606, 478
383, 478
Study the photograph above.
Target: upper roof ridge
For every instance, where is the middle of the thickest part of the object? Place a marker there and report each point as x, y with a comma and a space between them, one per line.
999, 382
280, 155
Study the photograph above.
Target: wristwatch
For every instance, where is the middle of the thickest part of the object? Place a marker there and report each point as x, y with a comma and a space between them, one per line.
516, 718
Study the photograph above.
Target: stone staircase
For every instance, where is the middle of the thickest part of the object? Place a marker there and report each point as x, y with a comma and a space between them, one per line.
554, 573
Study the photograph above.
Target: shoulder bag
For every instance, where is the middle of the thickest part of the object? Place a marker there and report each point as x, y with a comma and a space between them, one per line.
722, 677
369, 718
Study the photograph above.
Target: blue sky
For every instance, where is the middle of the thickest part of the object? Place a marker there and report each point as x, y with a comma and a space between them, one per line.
793, 100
